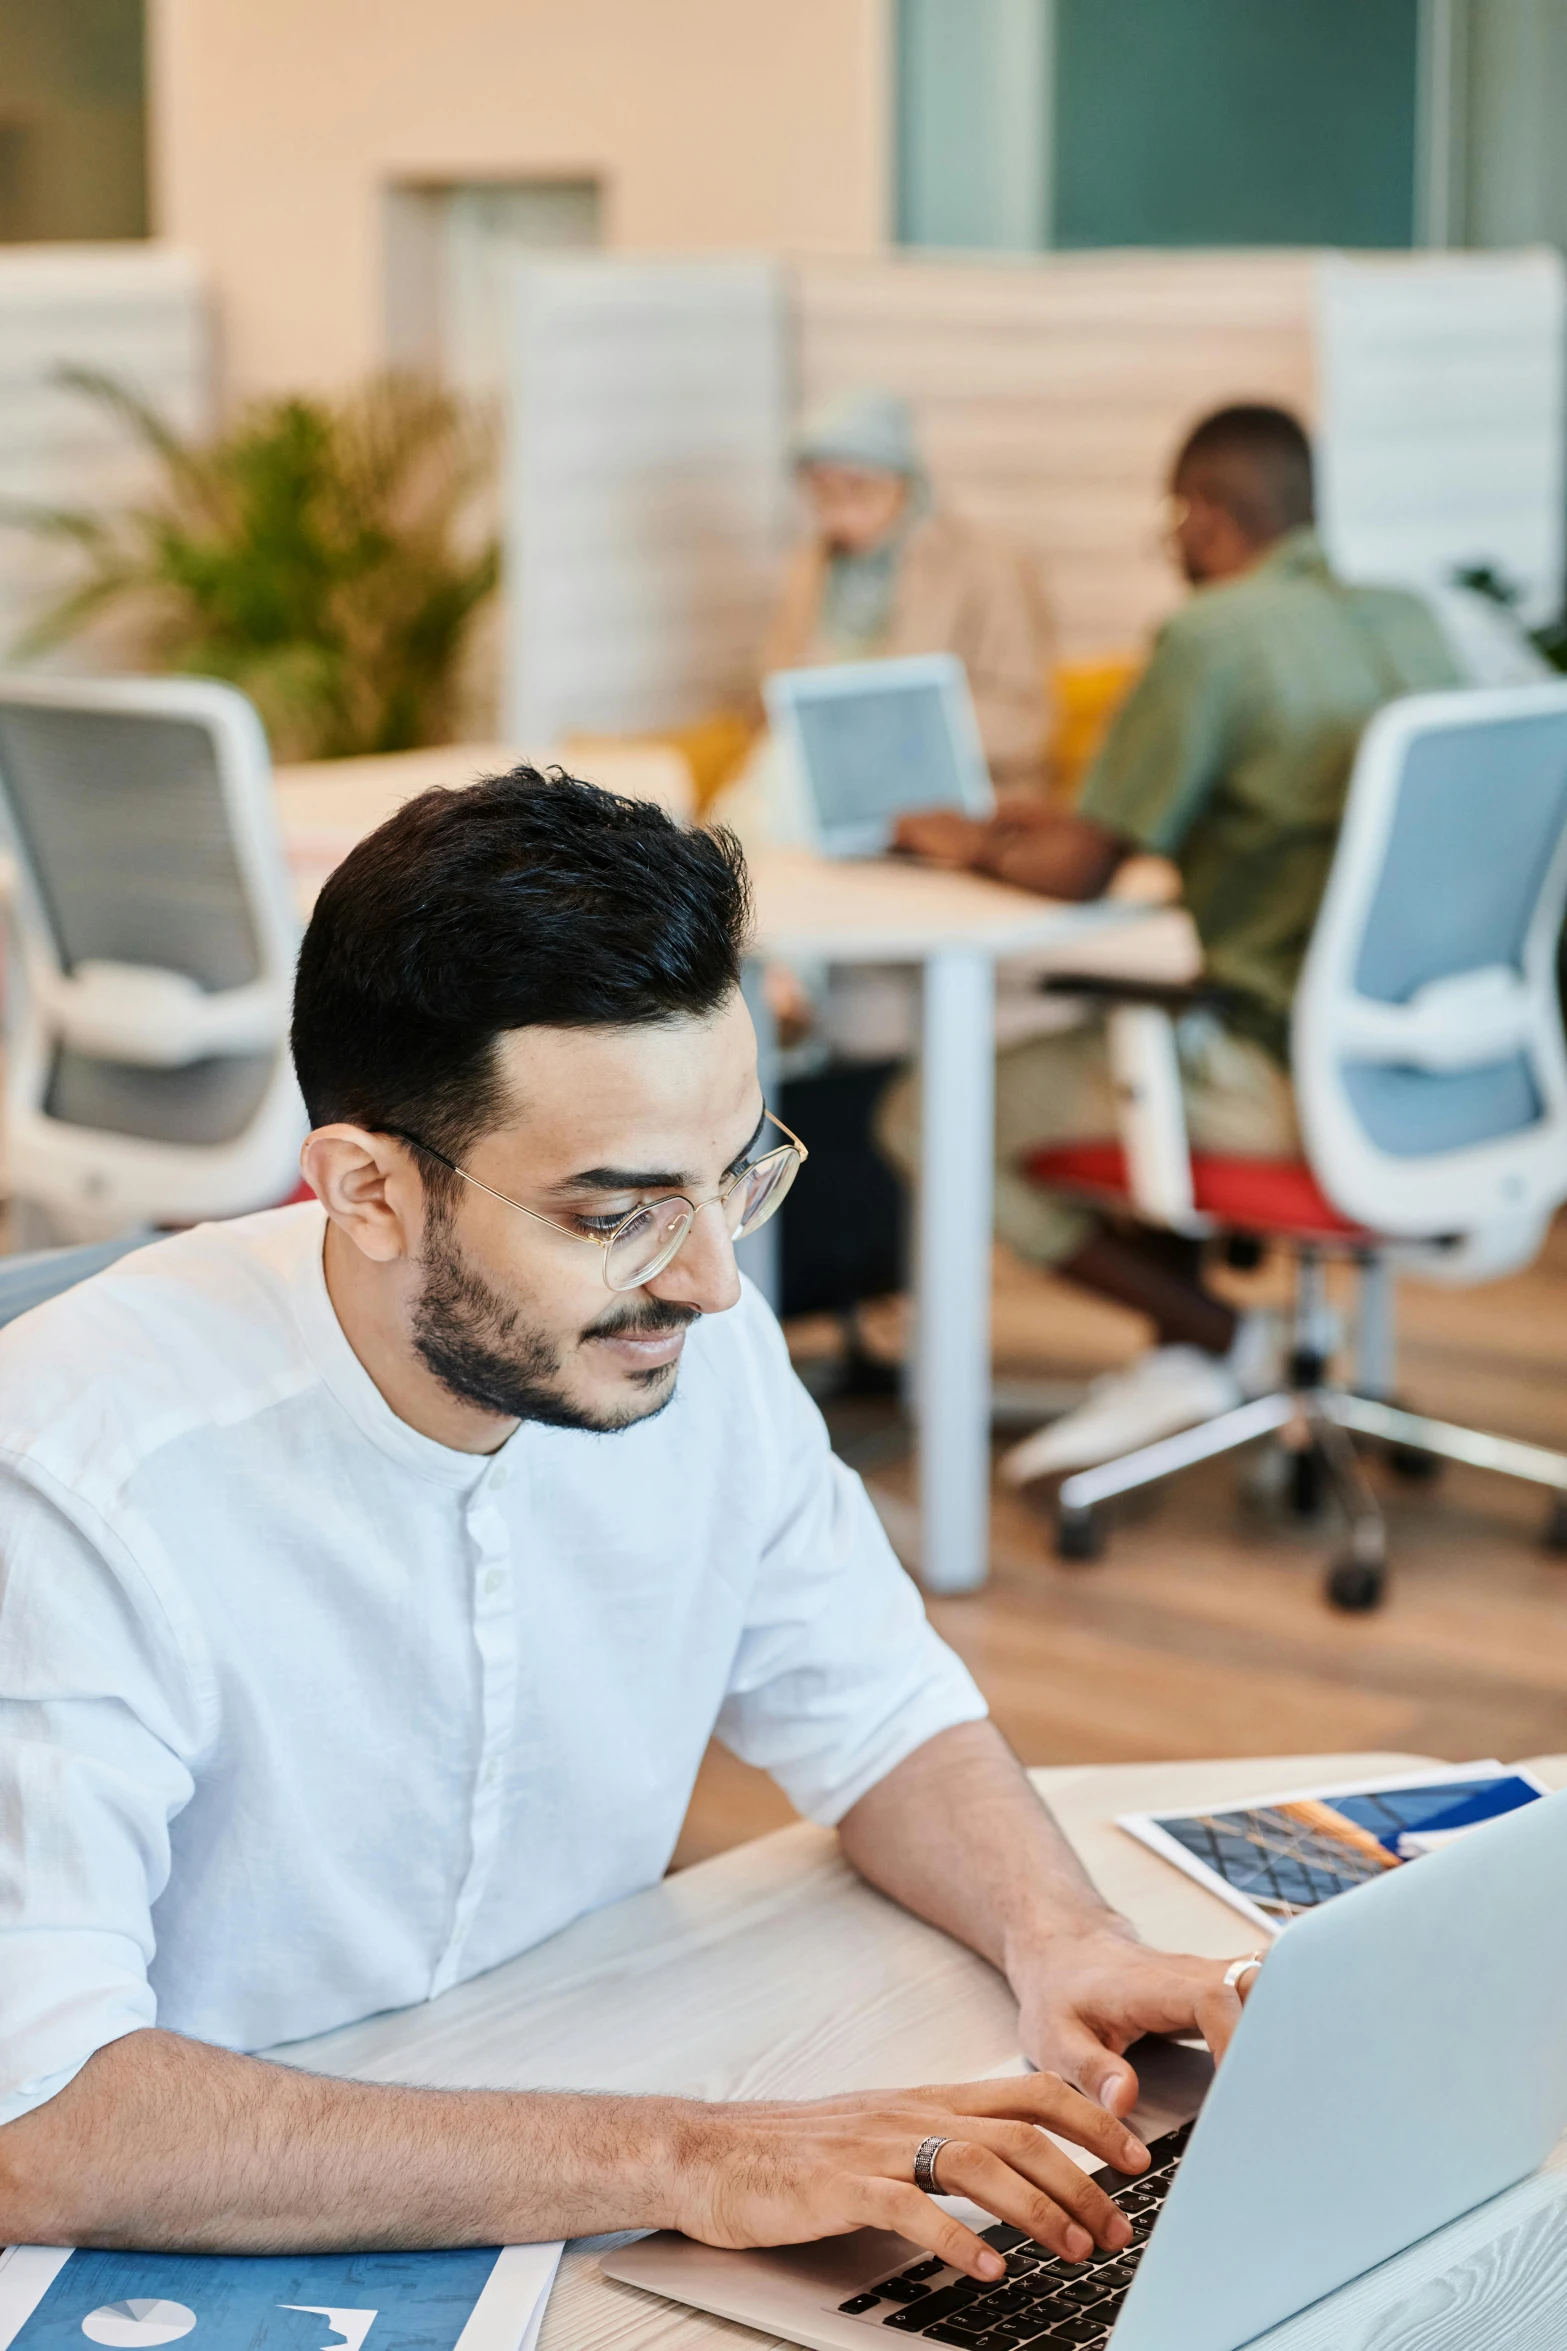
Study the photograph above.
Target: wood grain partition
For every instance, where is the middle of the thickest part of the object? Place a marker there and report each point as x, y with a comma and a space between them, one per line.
1050, 393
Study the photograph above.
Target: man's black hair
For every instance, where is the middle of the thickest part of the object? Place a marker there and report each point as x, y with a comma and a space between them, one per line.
527, 900
1255, 462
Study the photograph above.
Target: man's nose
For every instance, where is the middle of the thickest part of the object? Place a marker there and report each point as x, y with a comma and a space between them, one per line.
703, 1273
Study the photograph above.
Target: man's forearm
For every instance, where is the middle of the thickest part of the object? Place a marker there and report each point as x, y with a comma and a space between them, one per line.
957, 1835
166, 2144
161, 2143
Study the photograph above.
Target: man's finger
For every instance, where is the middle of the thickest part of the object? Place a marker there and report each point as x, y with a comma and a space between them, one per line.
966, 2168
1102, 2074
1027, 2150
889, 2204
1045, 2099
1218, 2014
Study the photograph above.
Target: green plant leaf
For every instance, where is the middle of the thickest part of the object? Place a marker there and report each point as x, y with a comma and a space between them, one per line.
321, 555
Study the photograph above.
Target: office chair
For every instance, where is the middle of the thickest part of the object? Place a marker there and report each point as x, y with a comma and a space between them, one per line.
1431, 1077
151, 935
26, 1282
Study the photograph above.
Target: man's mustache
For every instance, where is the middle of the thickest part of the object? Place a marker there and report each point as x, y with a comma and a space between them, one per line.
653, 1321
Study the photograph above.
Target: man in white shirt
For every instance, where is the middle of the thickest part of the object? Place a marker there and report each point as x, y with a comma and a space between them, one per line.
369, 1591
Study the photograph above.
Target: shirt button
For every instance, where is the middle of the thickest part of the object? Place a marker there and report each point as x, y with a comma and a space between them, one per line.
495, 1581
489, 1774
498, 1478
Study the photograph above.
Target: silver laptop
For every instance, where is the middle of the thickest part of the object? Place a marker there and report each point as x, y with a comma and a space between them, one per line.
1402, 2057
875, 740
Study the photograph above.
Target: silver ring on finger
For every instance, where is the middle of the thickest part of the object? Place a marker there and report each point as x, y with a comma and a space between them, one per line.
1238, 1968
925, 2155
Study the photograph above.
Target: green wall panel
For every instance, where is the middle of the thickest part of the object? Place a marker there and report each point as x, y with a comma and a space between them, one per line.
1235, 122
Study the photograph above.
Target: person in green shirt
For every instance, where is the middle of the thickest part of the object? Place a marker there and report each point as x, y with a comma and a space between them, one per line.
1231, 756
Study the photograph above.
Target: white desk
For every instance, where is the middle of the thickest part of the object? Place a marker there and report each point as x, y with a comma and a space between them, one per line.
956, 927
773, 1972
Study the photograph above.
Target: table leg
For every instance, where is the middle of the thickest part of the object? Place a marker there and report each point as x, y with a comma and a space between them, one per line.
956, 1193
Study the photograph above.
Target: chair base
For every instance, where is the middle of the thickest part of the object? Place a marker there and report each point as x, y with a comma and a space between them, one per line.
1327, 1418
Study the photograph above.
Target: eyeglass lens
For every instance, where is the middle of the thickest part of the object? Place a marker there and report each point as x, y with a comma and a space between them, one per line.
647, 1242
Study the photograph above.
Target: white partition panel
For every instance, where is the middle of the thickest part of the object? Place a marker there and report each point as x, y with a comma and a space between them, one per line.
1052, 393
645, 490
1443, 418
136, 312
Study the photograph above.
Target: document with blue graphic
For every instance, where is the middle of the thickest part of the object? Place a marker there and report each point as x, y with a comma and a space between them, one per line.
485, 2299
1276, 1856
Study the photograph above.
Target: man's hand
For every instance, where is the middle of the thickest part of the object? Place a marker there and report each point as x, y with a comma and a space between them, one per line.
956, 1834
939, 836
775, 2175
1088, 1993
1028, 842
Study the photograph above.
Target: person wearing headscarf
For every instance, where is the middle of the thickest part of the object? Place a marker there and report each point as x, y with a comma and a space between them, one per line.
885, 571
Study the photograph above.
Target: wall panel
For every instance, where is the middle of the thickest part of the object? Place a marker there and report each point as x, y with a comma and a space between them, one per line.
1050, 395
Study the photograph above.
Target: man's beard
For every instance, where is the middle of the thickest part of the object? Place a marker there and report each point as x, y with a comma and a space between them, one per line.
478, 1345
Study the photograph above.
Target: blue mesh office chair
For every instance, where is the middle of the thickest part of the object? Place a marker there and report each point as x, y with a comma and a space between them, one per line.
1431, 1075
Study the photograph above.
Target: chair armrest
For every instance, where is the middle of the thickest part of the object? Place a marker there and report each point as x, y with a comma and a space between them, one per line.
1151, 1115
1110, 988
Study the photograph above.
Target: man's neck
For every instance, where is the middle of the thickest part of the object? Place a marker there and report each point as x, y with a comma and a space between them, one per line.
374, 1307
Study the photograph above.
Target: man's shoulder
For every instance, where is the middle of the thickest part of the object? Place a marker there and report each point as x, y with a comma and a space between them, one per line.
1401, 617
174, 1335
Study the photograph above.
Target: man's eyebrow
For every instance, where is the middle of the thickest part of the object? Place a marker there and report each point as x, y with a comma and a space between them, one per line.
650, 1179
622, 1179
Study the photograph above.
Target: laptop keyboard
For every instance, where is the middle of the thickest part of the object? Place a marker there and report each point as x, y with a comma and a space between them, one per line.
1042, 2301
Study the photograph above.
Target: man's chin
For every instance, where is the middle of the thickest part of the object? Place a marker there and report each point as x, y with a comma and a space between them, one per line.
620, 1402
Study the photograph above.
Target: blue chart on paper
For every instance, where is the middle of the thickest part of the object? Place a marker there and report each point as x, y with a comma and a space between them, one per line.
286, 2302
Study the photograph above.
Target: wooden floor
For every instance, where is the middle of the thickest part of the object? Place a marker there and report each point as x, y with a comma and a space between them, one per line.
1204, 1630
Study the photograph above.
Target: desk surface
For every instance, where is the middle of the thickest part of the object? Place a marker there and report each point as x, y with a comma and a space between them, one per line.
864, 911
773, 1971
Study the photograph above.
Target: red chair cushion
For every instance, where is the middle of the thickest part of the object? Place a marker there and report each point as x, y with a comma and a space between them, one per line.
1254, 1195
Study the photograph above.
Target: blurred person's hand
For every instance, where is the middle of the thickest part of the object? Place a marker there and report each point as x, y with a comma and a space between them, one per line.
940, 836
854, 508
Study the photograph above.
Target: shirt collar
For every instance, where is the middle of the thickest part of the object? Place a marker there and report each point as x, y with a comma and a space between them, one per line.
351, 1385
1300, 554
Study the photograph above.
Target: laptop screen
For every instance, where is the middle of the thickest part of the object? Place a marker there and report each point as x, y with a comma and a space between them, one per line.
874, 755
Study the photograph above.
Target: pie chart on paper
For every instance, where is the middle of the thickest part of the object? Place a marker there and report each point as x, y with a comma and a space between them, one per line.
138, 2326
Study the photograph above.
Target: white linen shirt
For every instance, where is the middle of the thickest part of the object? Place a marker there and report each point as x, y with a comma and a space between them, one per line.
304, 1716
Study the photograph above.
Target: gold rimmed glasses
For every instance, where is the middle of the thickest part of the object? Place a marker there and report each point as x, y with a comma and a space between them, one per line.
639, 1245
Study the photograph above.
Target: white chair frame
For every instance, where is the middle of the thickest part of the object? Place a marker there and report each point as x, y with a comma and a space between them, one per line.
90, 1182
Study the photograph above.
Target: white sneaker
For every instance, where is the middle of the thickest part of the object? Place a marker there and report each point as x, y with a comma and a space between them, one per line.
1167, 1389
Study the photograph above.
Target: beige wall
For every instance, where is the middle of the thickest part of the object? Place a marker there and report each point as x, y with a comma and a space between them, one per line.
755, 124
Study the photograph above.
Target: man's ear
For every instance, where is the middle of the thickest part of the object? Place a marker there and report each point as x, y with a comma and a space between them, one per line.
370, 1188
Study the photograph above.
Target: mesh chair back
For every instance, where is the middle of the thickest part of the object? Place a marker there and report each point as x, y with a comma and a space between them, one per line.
121, 818
1428, 1050
140, 816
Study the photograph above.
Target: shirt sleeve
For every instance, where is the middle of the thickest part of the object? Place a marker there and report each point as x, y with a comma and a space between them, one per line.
838, 1674
1167, 747
96, 1735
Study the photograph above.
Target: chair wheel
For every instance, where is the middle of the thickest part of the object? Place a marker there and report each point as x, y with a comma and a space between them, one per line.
1415, 1467
1080, 1534
1355, 1585
1554, 1532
